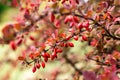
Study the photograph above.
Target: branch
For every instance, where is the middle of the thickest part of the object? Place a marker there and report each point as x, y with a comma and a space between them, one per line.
96, 23
71, 63
110, 35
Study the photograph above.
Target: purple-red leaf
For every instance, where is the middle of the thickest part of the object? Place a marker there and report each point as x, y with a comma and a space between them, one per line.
89, 75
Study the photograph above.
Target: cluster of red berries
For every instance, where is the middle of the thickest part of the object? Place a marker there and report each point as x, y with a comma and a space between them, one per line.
56, 50
75, 26
37, 66
74, 21
14, 44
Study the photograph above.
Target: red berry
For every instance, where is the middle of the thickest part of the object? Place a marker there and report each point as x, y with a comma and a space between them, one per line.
43, 64
76, 19
57, 23
84, 38
55, 49
44, 54
48, 55
53, 55
86, 24
76, 38
89, 29
38, 65
32, 4
68, 37
13, 45
34, 69
71, 44
45, 59
77, 1
71, 30
32, 38
93, 42
59, 50
63, 1
80, 26
68, 19
19, 41
52, 17
72, 24
66, 45
21, 9
62, 44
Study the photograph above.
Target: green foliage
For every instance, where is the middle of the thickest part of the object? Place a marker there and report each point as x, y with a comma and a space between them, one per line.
3, 7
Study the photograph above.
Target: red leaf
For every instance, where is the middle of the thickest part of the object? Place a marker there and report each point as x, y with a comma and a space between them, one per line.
21, 58
8, 32
24, 54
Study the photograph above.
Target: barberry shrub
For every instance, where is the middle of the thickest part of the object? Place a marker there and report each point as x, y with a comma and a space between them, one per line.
52, 27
